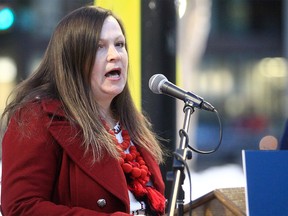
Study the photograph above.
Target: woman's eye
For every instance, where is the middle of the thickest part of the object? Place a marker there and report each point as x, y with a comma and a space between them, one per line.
120, 44
100, 46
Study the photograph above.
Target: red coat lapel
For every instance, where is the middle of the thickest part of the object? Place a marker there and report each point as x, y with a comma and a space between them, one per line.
107, 172
111, 177
154, 169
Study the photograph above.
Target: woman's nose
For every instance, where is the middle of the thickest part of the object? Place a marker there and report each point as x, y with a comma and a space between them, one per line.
112, 54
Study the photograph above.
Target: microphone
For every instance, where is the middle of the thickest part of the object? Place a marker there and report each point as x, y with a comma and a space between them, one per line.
159, 84
268, 143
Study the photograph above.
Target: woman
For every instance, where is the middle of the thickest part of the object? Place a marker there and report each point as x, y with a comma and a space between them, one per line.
75, 143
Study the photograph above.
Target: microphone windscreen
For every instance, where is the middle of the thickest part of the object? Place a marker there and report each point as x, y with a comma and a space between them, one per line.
155, 83
268, 143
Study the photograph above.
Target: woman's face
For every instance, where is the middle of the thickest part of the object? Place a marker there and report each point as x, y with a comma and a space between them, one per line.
109, 73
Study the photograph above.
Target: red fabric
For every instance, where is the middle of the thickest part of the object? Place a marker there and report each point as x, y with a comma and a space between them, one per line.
137, 174
156, 200
44, 171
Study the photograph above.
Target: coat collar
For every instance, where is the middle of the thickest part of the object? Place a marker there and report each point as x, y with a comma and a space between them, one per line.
107, 172
154, 169
53, 106
112, 177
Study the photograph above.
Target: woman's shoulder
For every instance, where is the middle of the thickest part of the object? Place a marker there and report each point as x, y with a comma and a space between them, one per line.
38, 109
33, 117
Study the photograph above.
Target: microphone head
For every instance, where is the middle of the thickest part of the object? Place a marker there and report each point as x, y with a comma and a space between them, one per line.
156, 82
268, 143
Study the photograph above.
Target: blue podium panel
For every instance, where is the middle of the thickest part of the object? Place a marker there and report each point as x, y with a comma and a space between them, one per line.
266, 174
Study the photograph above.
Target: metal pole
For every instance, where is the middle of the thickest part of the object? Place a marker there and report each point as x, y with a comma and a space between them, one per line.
178, 167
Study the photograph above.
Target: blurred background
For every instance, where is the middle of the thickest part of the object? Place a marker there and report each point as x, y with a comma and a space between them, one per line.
231, 52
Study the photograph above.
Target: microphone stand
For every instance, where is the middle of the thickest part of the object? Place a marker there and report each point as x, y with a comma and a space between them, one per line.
178, 193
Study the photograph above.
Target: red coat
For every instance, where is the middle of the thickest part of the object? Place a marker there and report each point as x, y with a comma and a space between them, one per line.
44, 171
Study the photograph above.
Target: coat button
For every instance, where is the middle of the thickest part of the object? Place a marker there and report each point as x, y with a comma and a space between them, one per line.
101, 203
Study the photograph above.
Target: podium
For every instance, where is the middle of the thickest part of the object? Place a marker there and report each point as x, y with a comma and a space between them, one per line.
266, 182
224, 202
265, 192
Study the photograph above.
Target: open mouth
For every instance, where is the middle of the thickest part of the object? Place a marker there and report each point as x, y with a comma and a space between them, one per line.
113, 73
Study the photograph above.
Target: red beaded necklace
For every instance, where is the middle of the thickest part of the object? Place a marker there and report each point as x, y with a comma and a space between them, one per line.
137, 173
131, 162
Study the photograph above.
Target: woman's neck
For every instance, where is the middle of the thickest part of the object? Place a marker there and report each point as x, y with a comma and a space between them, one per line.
108, 116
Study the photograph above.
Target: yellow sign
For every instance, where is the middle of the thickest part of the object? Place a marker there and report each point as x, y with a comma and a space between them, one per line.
129, 11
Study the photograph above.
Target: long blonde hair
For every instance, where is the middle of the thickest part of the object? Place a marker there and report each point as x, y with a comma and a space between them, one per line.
64, 74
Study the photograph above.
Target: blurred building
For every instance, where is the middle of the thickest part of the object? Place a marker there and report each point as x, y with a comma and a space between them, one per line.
243, 72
